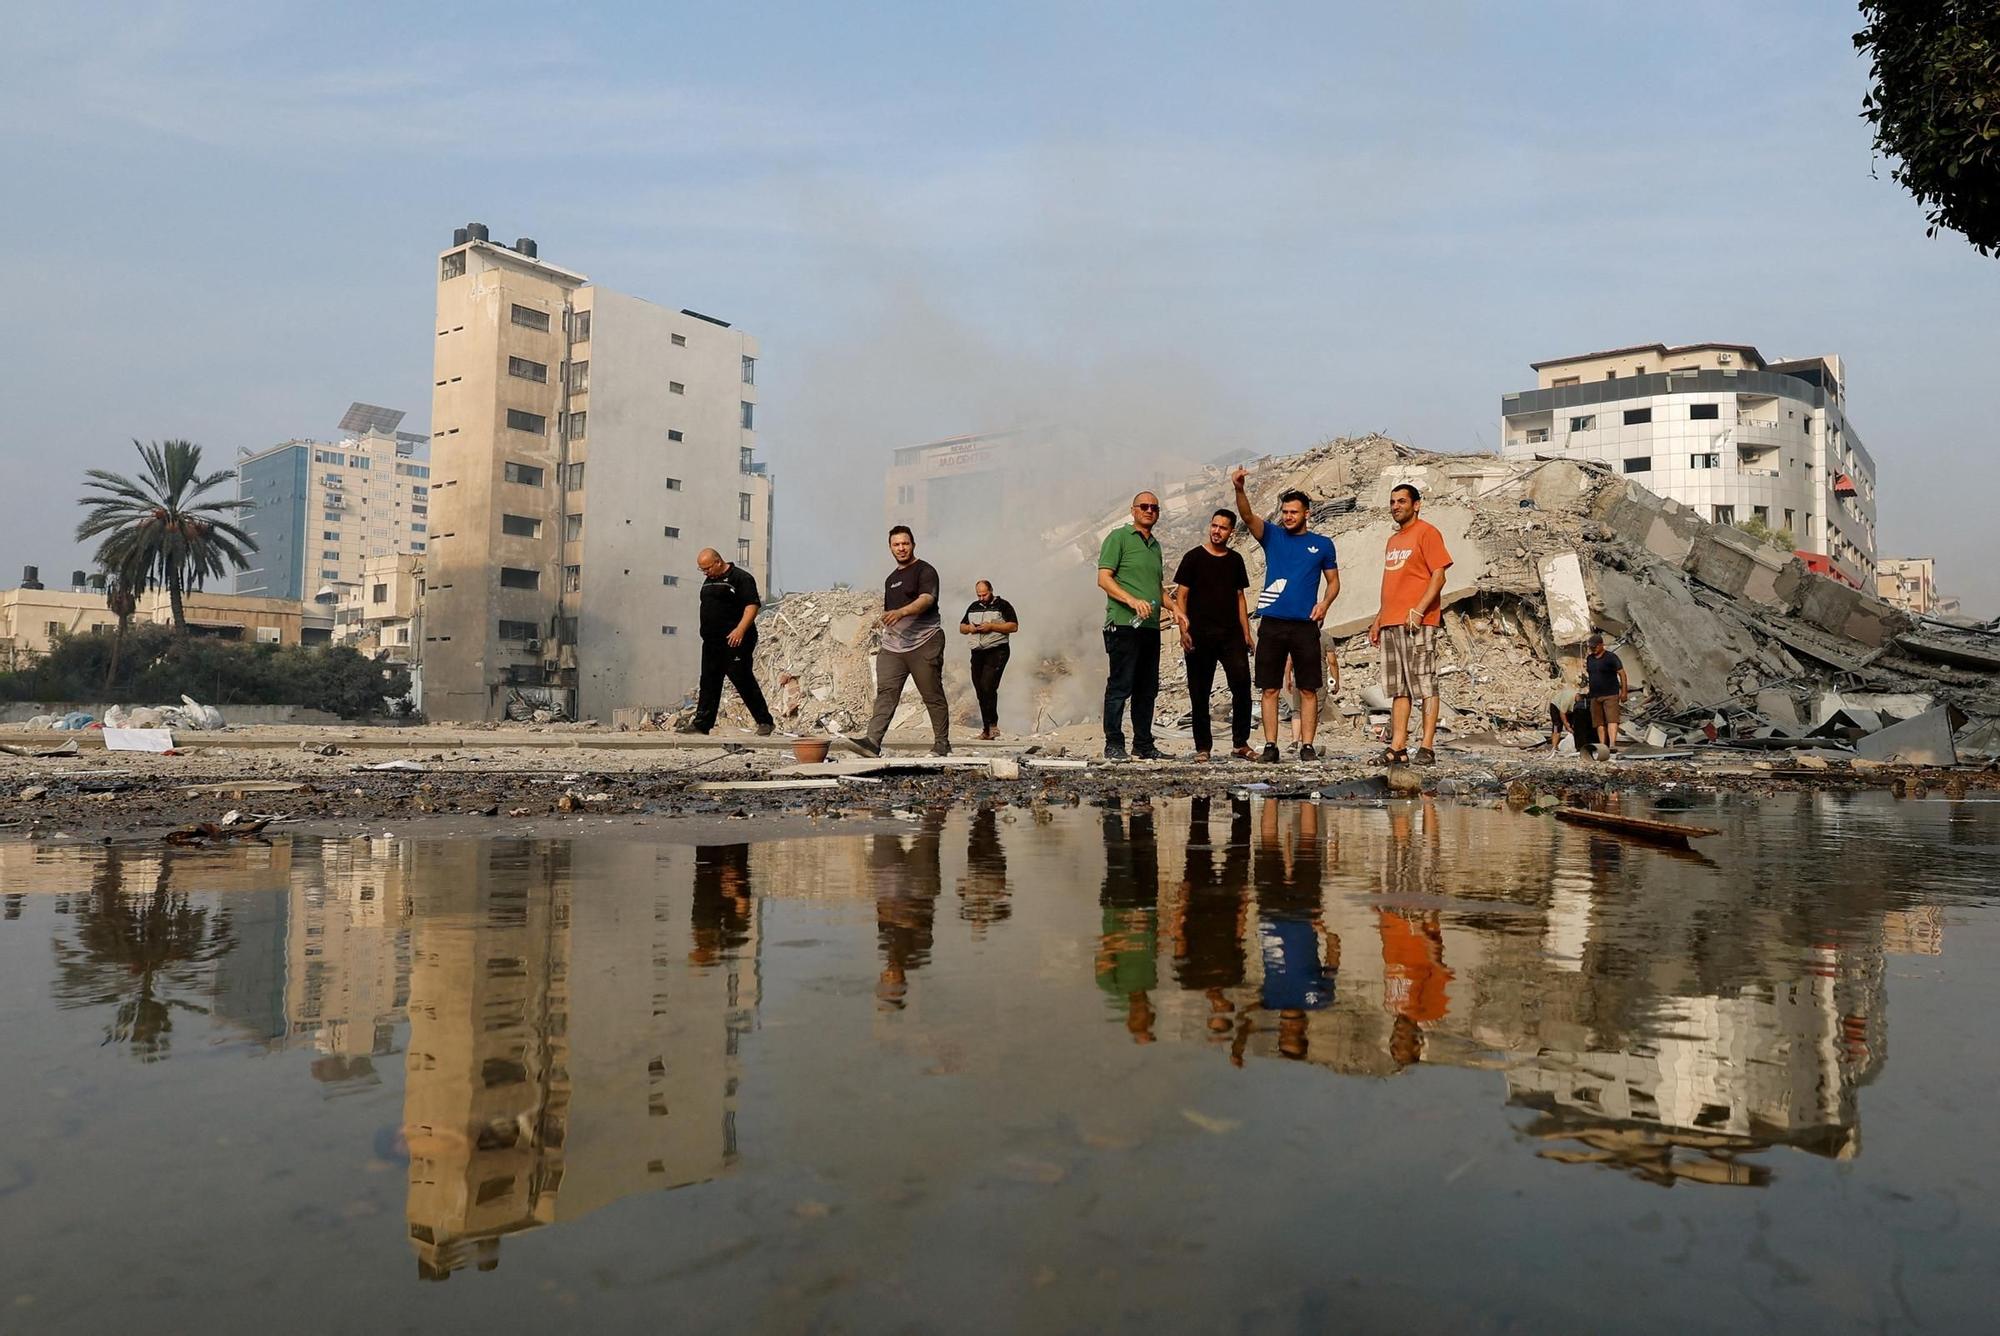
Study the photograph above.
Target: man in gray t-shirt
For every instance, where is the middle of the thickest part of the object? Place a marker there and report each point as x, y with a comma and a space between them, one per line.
912, 647
990, 621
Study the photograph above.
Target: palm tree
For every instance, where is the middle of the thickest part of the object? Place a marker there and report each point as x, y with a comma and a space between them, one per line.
160, 527
122, 590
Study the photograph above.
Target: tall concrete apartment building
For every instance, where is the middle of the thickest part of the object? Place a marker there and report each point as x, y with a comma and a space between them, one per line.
324, 509
585, 446
1717, 427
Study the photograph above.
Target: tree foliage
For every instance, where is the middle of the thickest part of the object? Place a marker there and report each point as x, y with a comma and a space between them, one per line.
1935, 106
158, 666
158, 529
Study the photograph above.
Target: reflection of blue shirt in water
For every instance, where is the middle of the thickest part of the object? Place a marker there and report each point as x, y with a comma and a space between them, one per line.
1294, 979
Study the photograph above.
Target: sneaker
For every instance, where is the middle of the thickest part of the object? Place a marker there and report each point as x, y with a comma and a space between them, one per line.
1306, 752
1116, 754
941, 749
690, 727
765, 730
1153, 754
863, 746
1270, 756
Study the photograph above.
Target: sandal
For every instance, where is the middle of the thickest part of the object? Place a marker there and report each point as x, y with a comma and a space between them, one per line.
1393, 756
1425, 756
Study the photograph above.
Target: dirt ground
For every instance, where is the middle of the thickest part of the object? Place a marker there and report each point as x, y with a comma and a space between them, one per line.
560, 781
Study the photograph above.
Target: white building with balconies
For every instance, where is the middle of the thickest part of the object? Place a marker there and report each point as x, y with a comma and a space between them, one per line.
1716, 427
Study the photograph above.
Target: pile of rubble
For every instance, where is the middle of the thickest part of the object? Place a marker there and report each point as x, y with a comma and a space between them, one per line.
1727, 640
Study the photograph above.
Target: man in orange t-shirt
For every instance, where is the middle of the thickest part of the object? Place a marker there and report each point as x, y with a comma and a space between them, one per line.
1413, 567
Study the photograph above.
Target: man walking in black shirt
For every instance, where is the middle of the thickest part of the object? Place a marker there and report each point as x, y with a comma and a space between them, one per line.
1209, 604
729, 606
991, 623
912, 647
1604, 674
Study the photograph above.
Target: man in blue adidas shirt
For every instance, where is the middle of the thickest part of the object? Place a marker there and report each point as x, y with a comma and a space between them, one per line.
1289, 616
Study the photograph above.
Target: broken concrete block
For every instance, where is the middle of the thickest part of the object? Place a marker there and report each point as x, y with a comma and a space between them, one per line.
1924, 740
1568, 605
1360, 553
1690, 653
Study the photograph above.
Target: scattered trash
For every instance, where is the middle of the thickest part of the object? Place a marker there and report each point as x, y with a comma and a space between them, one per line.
69, 748
401, 767
157, 740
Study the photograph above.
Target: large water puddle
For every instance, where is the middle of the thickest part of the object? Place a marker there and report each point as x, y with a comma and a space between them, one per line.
1207, 1065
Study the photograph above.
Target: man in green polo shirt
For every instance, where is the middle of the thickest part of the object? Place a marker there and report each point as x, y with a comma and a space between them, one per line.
1131, 572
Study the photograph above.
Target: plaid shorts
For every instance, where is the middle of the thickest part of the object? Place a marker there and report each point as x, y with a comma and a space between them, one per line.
1409, 661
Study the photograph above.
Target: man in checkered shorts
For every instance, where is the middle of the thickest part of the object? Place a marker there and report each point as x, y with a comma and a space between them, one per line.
1413, 567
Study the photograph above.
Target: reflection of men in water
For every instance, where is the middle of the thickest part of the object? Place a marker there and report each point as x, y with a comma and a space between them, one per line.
1128, 948
721, 913
1415, 977
907, 884
1290, 926
1208, 932
983, 898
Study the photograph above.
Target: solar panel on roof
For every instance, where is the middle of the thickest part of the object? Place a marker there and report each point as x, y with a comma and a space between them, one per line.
362, 419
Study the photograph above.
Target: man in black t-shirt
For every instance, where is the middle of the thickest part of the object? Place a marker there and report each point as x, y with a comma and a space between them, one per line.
729, 606
912, 647
990, 621
1214, 618
1605, 673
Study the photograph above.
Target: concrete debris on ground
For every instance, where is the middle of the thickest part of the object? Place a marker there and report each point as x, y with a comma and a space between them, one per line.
1727, 640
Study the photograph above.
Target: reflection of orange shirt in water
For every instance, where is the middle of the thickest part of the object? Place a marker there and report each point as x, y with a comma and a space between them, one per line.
1414, 972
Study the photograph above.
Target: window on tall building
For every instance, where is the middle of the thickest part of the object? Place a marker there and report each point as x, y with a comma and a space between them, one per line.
578, 425
1639, 464
326, 574
515, 577
520, 526
675, 387
743, 506
1710, 461
532, 422
749, 371
1561, 381
572, 579
330, 554
743, 550
379, 594
526, 370
749, 415
451, 266
572, 528
675, 434
746, 459
673, 484
1789, 517
579, 377
572, 476
418, 547
329, 535
1725, 514
672, 531
670, 580
529, 318
519, 630
679, 340
670, 630
1635, 416
331, 516
419, 528
579, 327
526, 474
1762, 514
1701, 411
1587, 422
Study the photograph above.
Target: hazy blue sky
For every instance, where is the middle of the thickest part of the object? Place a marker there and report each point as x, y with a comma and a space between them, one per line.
1194, 226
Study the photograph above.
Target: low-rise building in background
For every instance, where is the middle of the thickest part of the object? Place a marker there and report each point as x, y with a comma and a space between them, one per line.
322, 509
1909, 583
33, 617
1717, 427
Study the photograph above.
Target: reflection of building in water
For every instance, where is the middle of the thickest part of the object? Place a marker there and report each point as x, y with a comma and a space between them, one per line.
1914, 932
347, 953
537, 1093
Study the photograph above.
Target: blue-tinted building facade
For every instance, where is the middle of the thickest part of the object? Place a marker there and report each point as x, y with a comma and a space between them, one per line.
276, 480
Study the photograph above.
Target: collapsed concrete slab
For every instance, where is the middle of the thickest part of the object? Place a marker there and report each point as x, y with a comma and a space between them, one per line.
1566, 599
1692, 655
1361, 551
1924, 740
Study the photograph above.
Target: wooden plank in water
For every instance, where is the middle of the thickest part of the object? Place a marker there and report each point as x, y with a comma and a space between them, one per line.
1662, 832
